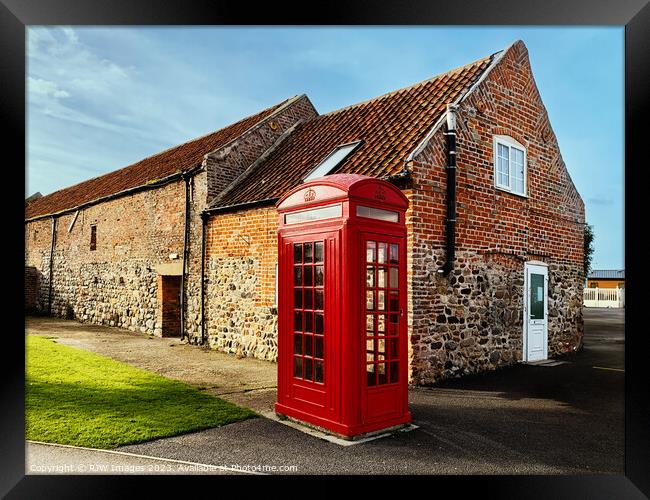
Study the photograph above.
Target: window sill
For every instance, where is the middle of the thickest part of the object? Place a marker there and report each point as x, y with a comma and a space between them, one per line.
505, 190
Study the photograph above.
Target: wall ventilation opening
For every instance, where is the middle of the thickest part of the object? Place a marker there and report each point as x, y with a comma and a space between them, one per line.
93, 237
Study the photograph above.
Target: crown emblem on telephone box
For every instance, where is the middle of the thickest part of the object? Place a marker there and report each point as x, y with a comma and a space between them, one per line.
310, 195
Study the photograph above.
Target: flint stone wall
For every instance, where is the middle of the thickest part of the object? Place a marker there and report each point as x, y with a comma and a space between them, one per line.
111, 294
238, 324
475, 320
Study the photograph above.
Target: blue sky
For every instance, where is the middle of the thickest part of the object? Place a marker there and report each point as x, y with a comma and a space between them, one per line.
101, 98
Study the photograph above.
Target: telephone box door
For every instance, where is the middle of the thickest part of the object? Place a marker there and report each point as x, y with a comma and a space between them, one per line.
308, 326
383, 303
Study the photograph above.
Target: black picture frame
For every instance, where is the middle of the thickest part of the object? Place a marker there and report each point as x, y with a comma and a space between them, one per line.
15, 15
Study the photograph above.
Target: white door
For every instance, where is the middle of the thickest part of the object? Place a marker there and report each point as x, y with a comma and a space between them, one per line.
535, 312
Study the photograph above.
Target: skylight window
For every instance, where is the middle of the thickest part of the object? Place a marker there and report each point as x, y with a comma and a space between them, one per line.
332, 160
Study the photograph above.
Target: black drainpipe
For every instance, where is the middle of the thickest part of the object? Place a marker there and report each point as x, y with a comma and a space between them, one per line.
49, 293
185, 241
451, 191
204, 225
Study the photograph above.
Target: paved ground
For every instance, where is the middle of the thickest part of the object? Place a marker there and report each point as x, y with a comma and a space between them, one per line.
562, 418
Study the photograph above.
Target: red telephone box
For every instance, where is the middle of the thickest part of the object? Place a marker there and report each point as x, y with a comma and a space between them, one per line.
342, 330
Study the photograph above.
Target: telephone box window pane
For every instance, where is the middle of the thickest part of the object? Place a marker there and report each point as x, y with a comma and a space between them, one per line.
393, 318
371, 251
297, 321
381, 301
394, 277
309, 322
381, 369
370, 276
314, 214
308, 276
297, 366
308, 369
318, 251
370, 301
370, 375
377, 213
381, 277
394, 372
394, 253
318, 303
394, 302
393, 329
308, 253
382, 250
308, 298
318, 371
319, 277
318, 347
370, 357
381, 324
297, 275
297, 253
297, 343
308, 345
393, 348
381, 346
318, 325
297, 298
370, 345
370, 323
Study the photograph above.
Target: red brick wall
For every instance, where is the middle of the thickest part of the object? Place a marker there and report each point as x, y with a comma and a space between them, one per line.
546, 223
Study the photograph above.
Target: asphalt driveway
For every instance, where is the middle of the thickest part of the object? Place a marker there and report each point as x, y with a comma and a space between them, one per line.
558, 418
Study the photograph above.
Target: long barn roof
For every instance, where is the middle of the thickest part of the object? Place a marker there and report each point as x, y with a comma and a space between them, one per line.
181, 158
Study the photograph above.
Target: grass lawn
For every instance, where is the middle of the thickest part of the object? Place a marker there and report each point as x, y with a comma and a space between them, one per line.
83, 399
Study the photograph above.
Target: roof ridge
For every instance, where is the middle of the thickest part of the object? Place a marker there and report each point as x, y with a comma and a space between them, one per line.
414, 85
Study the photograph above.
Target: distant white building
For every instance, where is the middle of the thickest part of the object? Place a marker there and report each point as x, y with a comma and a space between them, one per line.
605, 288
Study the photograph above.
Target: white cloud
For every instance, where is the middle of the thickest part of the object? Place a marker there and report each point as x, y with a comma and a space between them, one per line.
40, 87
110, 97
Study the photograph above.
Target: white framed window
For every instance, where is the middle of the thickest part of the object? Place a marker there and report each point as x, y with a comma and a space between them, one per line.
509, 165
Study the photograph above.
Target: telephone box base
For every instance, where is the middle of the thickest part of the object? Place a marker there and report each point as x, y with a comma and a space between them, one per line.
348, 432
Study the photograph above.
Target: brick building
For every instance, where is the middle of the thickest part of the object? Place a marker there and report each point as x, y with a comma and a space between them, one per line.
211, 204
